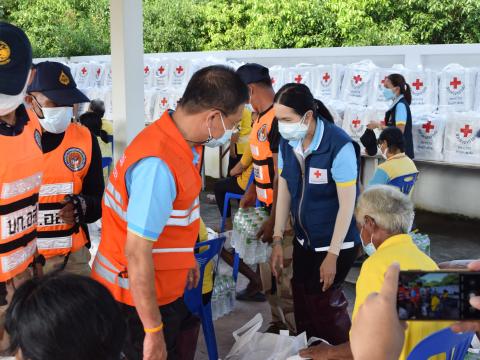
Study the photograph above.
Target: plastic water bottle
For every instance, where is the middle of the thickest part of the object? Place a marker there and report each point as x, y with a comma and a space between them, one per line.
232, 292
237, 220
250, 243
214, 304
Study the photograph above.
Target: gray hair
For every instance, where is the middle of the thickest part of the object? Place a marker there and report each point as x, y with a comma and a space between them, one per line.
392, 210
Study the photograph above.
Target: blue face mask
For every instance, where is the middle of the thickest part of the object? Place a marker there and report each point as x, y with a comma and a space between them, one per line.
293, 131
369, 248
212, 142
388, 94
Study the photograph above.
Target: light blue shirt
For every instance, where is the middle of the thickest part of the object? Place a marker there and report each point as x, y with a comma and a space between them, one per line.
151, 190
344, 167
380, 177
401, 114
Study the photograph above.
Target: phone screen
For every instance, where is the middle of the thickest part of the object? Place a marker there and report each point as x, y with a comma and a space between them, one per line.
437, 295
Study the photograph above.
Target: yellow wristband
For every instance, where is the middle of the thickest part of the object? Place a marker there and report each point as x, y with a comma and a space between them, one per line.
153, 330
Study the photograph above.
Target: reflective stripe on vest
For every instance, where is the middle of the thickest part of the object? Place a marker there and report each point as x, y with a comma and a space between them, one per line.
110, 202
64, 242
17, 258
56, 189
21, 186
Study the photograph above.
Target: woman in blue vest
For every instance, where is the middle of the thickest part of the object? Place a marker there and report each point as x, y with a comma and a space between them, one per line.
318, 186
399, 114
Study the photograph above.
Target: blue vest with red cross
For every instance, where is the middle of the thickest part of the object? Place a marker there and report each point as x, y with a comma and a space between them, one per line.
314, 199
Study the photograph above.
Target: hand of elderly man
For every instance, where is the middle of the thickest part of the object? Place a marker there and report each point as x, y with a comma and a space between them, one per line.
377, 323
475, 302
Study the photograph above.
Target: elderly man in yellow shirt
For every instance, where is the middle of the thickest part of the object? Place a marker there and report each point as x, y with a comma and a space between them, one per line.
385, 217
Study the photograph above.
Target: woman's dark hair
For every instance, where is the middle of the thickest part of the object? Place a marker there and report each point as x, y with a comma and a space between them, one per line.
394, 138
214, 87
399, 80
93, 122
65, 316
300, 99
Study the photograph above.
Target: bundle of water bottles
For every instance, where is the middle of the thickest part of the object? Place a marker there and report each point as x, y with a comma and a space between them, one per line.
246, 224
223, 296
422, 241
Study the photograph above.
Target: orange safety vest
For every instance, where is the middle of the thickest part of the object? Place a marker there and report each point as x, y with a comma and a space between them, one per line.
64, 170
173, 252
20, 180
263, 165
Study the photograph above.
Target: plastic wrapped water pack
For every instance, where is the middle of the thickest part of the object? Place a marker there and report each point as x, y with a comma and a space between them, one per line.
356, 82
428, 136
424, 88
461, 143
302, 74
329, 80
457, 88
376, 97
277, 75
355, 122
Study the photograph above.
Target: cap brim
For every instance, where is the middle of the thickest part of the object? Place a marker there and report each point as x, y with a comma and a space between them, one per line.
66, 97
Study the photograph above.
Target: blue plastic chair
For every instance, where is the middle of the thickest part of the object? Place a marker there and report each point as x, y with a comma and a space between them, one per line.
106, 162
404, 183
194, 299
443, 341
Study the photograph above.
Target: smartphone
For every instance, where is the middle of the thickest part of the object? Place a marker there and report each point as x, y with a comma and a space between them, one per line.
437, 295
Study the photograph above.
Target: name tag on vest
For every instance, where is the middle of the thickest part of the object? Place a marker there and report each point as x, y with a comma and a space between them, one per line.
318, 176
255, 150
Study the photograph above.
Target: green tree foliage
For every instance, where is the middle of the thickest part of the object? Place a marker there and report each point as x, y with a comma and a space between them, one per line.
81, 27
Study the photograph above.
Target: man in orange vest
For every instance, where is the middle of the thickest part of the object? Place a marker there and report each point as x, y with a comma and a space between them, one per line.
72, 186
264, 142
151, 212
20, 168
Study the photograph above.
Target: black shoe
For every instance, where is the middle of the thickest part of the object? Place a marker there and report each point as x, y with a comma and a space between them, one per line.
245, 295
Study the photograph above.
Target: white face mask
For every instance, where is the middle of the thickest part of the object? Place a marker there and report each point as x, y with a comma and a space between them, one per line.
56, 120
293, 131
212, 142
384, 153
10, 103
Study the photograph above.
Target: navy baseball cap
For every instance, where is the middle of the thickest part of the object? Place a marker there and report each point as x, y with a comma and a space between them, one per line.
252, 73
15, 59
55, 81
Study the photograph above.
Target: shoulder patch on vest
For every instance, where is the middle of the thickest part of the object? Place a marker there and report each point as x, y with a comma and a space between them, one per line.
262, 133
38, 138
75, 159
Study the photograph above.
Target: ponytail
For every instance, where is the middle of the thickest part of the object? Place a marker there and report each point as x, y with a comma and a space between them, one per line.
299, 98
398, 80
321, 110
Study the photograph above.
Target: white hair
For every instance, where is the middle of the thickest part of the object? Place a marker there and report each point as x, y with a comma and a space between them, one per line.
392, 210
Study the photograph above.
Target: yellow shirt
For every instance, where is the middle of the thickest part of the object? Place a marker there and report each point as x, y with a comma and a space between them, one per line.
435, 302
207, 285
247, 163
401, 249
107, 125
244, 132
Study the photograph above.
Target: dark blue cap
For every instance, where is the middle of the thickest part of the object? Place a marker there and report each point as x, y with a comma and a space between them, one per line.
252, 73
55, 81
15, 59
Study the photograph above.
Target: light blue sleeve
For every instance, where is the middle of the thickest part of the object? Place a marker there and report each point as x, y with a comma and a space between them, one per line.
380, 177
401, 114
152, 191
344, 167
280, 161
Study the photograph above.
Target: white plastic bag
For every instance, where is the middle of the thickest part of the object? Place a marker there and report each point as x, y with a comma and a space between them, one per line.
355, 122
461, 143
376, 97
302, 74
328, 81
161, 73
337, 109
356, 82
424, 89
457, 88
179, 73
428, 136
277, 74
253, 345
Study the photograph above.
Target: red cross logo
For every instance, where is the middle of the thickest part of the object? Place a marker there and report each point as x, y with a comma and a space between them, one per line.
455, 83
273, 80
357, 79
298, 79
317, 174
326, 77
161, 69
164, 101
428, 126
146, 69
98, 71
466, 131
417, 84
356, 123
179, 69
84, 70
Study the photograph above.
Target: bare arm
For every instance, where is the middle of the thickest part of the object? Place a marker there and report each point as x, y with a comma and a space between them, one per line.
282, 209
346, 199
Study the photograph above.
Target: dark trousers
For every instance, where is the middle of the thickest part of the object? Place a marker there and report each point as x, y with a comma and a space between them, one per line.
232, 161
176, 318
223, 186
320, 314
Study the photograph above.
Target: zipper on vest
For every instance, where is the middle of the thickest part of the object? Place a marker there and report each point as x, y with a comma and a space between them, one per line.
301, 202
